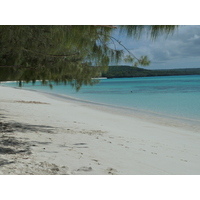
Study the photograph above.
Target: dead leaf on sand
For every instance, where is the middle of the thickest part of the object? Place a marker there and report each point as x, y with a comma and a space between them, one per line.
34, 102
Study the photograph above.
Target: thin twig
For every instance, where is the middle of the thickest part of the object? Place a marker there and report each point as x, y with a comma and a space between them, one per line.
114, 44
125, 48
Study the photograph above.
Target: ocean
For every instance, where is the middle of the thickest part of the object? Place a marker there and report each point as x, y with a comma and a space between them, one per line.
175, 97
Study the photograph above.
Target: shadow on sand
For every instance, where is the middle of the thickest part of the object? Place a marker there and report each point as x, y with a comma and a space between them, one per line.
8, 127
16, 146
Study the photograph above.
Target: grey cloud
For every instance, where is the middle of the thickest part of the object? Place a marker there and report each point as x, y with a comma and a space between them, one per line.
184, 44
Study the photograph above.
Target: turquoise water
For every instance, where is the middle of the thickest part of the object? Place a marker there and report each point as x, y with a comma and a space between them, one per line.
177, 96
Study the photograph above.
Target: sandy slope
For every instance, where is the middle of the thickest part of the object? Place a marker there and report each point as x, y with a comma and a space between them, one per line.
43, 135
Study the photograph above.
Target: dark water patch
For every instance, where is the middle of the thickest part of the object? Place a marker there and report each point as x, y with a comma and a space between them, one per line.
106, 92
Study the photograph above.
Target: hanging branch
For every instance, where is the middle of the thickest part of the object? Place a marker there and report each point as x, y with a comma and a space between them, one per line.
125, 48
103, 43
114, 44
112, 38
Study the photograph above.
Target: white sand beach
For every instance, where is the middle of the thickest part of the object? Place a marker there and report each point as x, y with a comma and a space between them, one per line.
40, 134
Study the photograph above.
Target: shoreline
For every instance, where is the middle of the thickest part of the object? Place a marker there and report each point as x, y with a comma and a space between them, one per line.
190, 124
42, 134
146, 115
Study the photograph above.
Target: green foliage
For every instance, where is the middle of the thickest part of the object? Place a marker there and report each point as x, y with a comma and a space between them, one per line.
128, 59
70, 54
144, 61
153, 31
128, 71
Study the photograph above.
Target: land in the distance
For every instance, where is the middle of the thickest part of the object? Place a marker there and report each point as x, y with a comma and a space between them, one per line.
128, 71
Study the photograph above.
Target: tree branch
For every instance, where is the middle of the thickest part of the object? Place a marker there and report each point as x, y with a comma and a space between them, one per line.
103, 43
51, 55
114, 44
17, 66
125, 48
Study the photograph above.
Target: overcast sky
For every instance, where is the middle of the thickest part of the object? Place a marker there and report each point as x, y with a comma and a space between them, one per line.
178, 50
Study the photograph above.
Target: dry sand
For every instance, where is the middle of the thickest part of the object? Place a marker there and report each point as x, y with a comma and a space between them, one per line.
43, 135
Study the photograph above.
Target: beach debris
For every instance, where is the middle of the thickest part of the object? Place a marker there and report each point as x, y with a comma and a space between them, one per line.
95, 160
84, 168
80, 144
92, 132
183, 160
111, 171
34, 102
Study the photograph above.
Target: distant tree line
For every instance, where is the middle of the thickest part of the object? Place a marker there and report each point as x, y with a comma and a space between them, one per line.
128, 71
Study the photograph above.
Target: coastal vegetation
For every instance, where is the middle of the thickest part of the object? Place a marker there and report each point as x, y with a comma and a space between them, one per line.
70, 54
128, 71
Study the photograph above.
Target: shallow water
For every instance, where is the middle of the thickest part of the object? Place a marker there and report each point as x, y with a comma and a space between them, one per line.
171, 96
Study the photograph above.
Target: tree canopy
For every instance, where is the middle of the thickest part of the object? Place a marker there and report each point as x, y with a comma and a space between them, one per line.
70, 54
